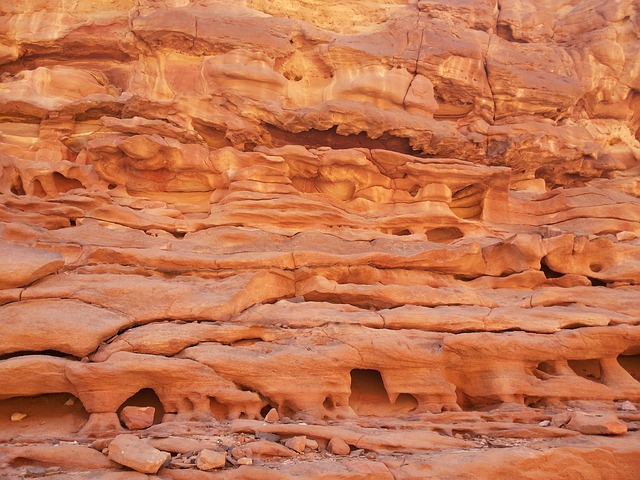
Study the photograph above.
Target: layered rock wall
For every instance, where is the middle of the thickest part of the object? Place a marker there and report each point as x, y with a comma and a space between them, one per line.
341, 210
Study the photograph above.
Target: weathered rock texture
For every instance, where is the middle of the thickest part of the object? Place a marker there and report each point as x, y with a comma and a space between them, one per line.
413, 225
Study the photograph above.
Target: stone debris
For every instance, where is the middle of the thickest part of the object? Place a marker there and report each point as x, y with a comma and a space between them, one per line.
311, 444
272, 416
137, 418
627, 406
263, 449
337, 446
17, 416
210, 460
602, 423
297, 444
131, 451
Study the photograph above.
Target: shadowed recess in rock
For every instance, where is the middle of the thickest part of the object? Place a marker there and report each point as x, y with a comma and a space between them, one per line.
369, 396
146, 397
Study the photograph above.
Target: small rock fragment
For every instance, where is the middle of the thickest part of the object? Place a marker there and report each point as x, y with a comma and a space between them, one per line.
560, 420
17, 416
137, 418
311, 444
297, 444
35, 472
272, 416
627, 406
210, 460
130, 451
237, 453
338, 446
272, 437
69, 402
265, 449
545, 423
603, 423
371, 455
245, 461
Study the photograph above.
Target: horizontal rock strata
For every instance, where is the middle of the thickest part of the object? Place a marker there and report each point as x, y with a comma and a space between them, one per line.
362, 229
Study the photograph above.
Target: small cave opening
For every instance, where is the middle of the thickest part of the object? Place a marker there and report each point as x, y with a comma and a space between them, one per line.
314, 138
219, 410
64, 184
38, 189
54, 414
544, 370
329, 404
589, 369
369, 397
146, 397
401, 232
596, 282
467, 202
505, 32
631, 363
534, 402
444, 234
266, 409
468, 403
17, 188
548, 272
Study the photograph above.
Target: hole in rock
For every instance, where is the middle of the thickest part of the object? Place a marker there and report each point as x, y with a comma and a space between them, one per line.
266, 409
64, 184
369, 396
17, 188
51, 353
467, 202
444, 234
145, 398
215, 138
331, 138
631, 363
38, 190
546, 367
596, 282
402, 232
533, 402
469, 403
55, 414
329, 404
548, 272
218, 410
589, 369
595, 267
505, 32
246, 342
112, 186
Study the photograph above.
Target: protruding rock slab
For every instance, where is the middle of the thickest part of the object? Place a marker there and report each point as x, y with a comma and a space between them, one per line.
132, 452
22, 265
63, 325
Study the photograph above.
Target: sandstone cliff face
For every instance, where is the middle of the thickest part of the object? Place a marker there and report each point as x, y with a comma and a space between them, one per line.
412, 225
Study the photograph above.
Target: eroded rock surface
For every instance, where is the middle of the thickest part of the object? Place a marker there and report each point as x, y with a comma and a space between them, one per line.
385, 227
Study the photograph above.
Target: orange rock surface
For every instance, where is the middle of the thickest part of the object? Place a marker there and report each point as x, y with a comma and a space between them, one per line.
408, 229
